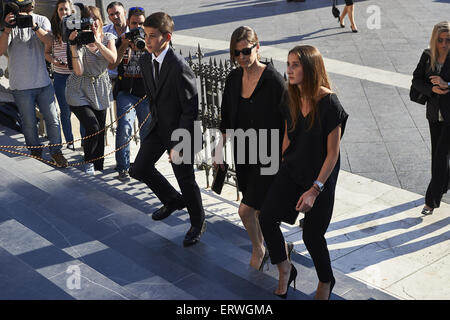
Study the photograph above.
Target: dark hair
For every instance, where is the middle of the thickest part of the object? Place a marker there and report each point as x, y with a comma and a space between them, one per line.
242, 33
113, 4
135, 11
55, 21
161, 21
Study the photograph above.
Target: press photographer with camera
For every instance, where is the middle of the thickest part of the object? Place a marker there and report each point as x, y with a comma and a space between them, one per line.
23, 40
88, 89
129, 88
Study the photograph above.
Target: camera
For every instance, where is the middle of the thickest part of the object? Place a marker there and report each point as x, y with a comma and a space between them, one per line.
137, 35
80, 24
20, 21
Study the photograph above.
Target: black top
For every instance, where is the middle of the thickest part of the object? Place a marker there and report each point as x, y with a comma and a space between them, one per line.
308, 147
267, 97
421, 81
130, 77
262, 110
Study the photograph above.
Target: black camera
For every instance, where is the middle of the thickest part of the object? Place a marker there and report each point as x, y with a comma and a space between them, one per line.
20, 21
137, 35
82, 25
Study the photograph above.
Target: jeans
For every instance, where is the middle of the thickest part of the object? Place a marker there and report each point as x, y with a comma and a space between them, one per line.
45, 99
125, 125
59, 82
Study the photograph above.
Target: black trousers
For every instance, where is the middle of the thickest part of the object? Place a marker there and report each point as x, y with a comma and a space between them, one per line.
440, 155
93, 121
279, 206
143, 169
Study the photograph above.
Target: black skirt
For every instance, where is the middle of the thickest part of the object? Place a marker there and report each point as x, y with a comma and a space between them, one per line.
252, 184
348, 2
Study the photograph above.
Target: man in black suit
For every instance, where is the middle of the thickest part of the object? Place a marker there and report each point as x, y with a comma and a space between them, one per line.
171, 88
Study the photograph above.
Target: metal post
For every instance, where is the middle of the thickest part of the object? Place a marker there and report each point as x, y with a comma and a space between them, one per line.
99, 4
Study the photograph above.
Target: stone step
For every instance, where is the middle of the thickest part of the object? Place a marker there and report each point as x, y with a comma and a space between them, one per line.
204, 268
104, 226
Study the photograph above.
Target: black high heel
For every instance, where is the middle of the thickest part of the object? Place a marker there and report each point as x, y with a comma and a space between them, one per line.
333, 282
339, 20
264, 260
292, 277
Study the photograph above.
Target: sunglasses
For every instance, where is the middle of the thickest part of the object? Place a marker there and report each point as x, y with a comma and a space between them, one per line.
440, 40
245, 51
133, 9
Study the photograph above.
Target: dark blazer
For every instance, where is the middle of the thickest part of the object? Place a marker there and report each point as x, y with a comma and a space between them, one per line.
174, 102
421, 81
268, 92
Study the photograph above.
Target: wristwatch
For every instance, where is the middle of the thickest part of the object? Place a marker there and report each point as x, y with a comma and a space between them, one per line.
319, 184
36, 28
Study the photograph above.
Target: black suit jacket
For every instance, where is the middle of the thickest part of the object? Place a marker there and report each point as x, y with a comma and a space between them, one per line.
421, 81
174, 102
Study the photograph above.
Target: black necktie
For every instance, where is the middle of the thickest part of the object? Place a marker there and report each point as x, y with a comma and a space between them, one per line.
156, 67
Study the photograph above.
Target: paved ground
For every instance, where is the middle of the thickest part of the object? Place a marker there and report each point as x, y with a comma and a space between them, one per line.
377, 235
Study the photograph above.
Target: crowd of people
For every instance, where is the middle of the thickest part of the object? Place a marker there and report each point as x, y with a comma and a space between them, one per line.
304, 113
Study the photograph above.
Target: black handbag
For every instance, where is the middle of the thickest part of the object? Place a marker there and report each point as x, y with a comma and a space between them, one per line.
335, 10
416, 96
219, 179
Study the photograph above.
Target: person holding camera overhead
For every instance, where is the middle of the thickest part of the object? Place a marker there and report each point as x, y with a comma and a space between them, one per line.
23, 40
56, 54
88, 89
129, 88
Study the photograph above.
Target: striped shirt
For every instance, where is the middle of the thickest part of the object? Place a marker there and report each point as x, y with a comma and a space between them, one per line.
59, 52
93, 88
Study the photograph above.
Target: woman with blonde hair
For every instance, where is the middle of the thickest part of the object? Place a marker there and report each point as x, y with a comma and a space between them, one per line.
251, 101
88, 89
431, 78
306, 181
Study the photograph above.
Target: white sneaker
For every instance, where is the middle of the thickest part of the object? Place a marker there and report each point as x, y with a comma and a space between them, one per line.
89, 169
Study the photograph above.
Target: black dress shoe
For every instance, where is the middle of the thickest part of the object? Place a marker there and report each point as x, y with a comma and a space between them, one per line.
193, 235
166, 211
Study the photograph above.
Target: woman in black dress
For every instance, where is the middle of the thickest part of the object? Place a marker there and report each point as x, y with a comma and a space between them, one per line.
431, 78
251, 100
349, 10
308, 173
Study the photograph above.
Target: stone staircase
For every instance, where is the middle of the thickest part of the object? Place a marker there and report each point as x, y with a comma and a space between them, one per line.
64, 235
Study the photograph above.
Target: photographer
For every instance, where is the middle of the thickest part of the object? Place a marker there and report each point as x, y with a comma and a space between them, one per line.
129, 89
88, 89
23, 40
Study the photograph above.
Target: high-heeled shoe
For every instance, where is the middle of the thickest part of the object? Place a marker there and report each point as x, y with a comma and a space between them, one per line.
333, 282
339, 20
292, 277
264, 260
354, 30
427, 212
